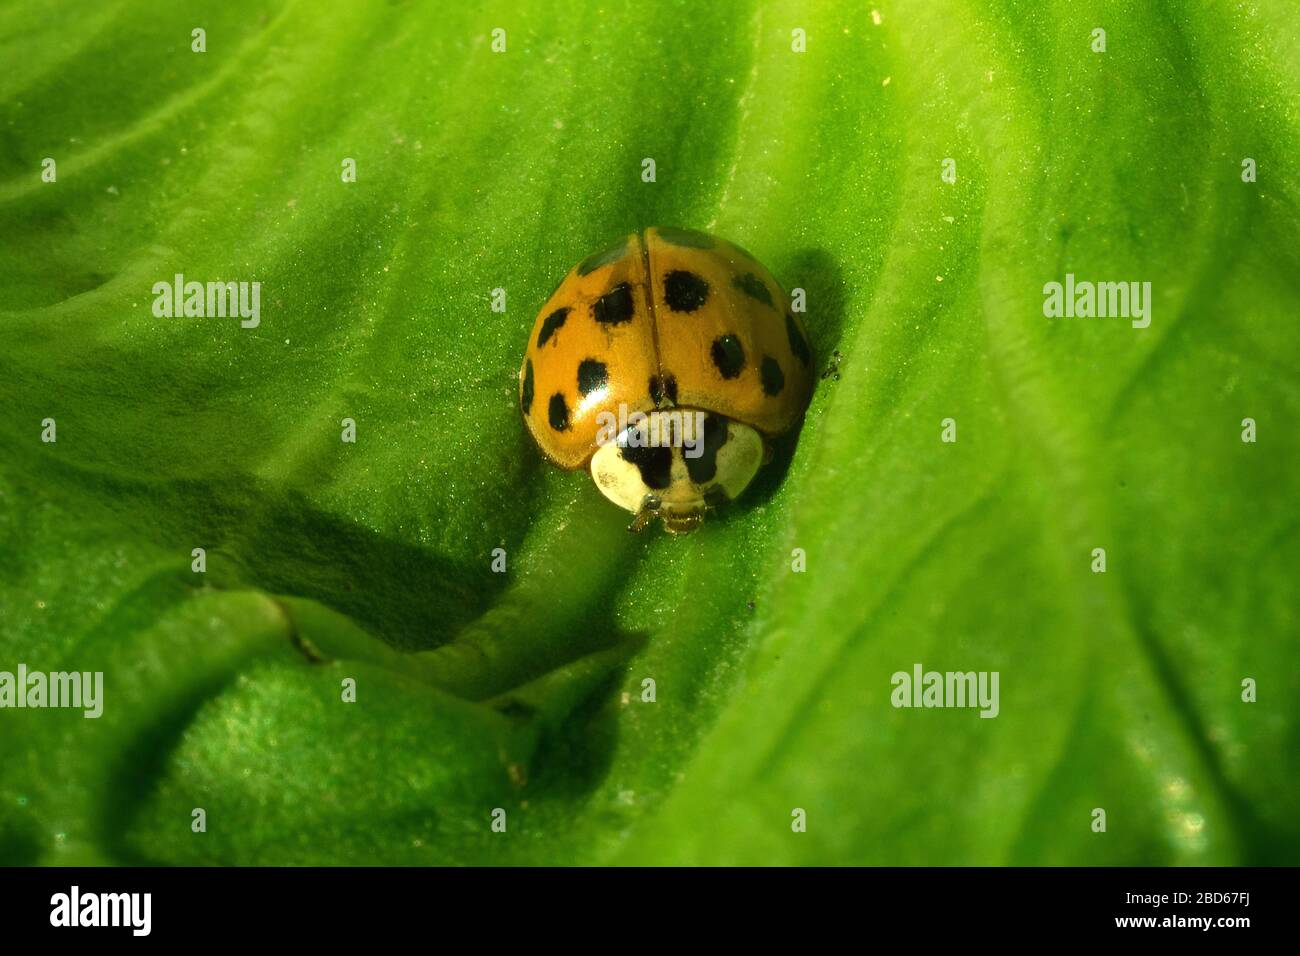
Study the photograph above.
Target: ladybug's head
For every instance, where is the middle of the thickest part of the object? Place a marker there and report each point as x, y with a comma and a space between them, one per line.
676, 463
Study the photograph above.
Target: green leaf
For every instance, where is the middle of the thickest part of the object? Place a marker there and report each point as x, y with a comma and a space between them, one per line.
369, 564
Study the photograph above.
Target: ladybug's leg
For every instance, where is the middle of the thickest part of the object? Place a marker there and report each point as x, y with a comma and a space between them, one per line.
767, 452
648, 512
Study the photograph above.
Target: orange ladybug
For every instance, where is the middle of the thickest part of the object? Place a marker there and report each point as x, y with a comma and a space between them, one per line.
664, 363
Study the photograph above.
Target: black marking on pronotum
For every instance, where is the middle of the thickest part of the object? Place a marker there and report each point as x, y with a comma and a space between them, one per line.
798, 345
591, 376
686, 237
614, 306
663, 390
728, 355
603, 258
655, 462
684, 291
770, 374
558, 413
753, 287
703, 468
551, 324
526, 396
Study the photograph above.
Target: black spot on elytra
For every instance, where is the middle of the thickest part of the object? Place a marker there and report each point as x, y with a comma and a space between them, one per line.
551, 324
686, 237
728, 355
705, 467
591, 376
798, 345
655, 462
770, 374
526, 396
663, 389
753, 287
684, 291
558, 413
614, 306
603, 258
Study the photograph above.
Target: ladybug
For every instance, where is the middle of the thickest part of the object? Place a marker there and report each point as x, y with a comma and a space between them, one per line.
665, 363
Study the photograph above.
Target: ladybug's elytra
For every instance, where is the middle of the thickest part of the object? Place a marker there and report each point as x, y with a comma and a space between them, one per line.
665, 363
